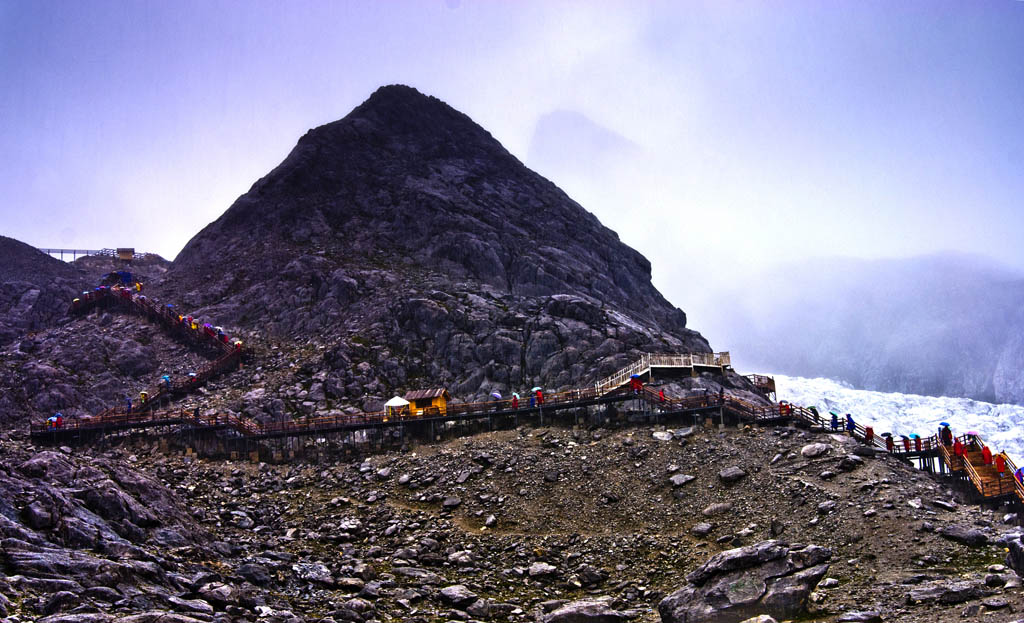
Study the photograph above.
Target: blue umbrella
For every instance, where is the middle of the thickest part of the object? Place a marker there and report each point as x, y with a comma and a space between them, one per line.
946, 424
914, 436
496, 395
634, 376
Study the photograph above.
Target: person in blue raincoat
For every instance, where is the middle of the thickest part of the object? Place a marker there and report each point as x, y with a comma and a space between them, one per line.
835, 421
850, 427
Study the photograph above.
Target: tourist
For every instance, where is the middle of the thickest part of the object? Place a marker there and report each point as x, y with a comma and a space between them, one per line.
986, 455
1000, 464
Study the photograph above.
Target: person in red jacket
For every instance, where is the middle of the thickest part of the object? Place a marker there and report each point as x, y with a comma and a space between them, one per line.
1000, 465
515, 401
661, 395
986, 455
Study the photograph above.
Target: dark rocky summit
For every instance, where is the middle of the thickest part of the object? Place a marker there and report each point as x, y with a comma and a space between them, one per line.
407, 228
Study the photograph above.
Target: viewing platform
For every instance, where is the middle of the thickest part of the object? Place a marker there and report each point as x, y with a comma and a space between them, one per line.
673, 365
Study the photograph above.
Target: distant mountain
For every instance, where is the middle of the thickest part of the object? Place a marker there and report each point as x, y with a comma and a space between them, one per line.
942, 325
569, 145
406, 238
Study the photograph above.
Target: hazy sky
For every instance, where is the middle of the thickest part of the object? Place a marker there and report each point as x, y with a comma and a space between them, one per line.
731, 134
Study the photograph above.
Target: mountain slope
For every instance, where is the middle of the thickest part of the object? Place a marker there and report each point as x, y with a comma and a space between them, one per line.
35, 289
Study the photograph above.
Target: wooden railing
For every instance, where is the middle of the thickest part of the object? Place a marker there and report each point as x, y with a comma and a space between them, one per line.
652, 360
124, 299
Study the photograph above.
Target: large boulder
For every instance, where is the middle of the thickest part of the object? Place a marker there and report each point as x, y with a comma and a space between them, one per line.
765, 578
585, 611
961, 534
812, 450
1015, 556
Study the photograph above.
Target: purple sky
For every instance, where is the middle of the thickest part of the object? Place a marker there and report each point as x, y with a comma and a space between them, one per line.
733, 134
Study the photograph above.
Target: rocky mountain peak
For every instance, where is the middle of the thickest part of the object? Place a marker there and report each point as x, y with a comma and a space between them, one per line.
408, 226
407, 175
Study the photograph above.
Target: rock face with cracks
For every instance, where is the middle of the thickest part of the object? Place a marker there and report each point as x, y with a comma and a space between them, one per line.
768, 577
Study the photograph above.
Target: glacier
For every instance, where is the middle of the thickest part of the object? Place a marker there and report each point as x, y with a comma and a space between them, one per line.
1001, 426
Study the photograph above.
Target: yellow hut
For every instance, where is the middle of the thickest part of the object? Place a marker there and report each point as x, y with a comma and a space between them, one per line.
428, 401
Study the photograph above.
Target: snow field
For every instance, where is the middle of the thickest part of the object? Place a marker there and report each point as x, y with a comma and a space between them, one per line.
1001, 426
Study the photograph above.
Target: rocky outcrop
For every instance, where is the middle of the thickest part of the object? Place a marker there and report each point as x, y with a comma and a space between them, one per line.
76, 530
35, 289
766, 578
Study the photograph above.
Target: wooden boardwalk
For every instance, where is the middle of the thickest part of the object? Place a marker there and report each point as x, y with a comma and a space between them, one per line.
984, 478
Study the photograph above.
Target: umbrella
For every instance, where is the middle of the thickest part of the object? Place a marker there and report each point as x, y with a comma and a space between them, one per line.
515, 395
536, 389
192, 374
834, 413
914, 436
946, 424
972, 432
52, 418
496, 395
634, 376
886, 434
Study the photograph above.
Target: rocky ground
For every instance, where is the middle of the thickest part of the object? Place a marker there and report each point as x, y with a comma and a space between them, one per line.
511, 525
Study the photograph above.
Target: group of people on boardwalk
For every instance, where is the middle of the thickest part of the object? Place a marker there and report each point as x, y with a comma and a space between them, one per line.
123, 287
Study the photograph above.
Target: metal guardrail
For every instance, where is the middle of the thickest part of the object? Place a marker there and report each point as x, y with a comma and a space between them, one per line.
75, 253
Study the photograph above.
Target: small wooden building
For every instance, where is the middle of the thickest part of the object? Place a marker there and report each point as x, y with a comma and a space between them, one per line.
428, 401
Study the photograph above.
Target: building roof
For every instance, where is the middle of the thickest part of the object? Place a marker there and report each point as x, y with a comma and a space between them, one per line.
421, 394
